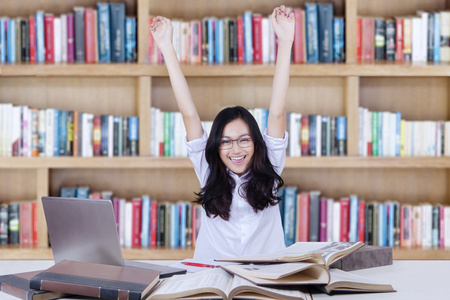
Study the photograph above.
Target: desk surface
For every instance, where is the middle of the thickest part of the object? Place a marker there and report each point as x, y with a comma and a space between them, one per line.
411, 279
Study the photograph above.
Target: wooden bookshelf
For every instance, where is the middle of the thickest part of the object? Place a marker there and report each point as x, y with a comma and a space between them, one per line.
419, 91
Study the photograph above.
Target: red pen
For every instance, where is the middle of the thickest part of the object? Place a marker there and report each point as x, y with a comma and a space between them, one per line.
193, 264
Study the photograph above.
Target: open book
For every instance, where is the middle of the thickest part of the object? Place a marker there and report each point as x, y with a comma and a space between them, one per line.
295, 274
313, 252
215, 283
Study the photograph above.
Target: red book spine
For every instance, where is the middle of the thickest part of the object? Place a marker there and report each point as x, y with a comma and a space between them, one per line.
89, 35
399, 39
35, 223
345, 219
153, 223
358, 39
368, 36
304, 217
70, 38
32, 38
257, 38
49, 38
362, 221
97, 136
136, 222
323, 220
298, 37
304, 140
25, 221
240, 38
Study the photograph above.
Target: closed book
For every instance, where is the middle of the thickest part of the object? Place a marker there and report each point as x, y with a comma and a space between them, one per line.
365, 257
25, 47
325, 31
3, 224
96, 280
130, 40
89, 35
104, 42
79, 34
390, 39
70, 37
133, 135
14, 223
380, 39
314, 213
312, 36
18, 285
339, 39
257, 37
117, 19
49, 38
298, 46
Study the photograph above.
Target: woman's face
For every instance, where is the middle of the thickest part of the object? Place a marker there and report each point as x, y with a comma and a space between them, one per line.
238, 157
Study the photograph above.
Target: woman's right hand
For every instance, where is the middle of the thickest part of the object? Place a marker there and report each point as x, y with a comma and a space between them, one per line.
162, 31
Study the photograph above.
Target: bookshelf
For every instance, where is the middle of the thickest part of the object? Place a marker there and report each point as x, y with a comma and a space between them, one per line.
131, 89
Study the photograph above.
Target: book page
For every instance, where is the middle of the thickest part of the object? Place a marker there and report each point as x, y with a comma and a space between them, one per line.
216, 281
331, 251
242, 288
347, 281
269, 271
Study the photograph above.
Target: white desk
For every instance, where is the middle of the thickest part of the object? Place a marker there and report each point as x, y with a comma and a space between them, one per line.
412, 279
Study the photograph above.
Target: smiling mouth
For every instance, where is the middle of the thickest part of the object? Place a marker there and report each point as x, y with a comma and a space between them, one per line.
239, 159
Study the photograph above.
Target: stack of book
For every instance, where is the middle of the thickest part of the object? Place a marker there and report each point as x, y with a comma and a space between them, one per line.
86, 35
250, 38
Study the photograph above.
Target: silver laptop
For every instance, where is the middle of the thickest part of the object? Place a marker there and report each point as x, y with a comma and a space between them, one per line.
85, 230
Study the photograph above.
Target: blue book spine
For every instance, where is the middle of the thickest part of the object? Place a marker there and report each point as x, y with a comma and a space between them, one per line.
104, 45
354, 216
219, 42
145, 221
56, 133
130, 40
62, 132
264, 117
398, 120
183, 225
312, 38
11, 41
2, 41
40, 39
133, 134
211, 34
290, 209
248, 37
382, 228
174, 225
68, 192
325, 31
341, 134
117, 21
83, 192
390, 222
338, 40
437, 37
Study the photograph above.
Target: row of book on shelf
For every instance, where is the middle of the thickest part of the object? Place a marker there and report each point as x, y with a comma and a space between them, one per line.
419, 38
85, 35
18, 223
145, 222
309, 135
48, 132
314, 217
383, 133
250, 38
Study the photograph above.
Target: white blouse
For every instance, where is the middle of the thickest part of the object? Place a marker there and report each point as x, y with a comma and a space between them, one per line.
246, 232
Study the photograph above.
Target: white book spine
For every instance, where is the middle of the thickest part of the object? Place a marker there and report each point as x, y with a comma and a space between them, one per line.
110, 135
64, 38
49, 131
265, 40
128, 224
57, 44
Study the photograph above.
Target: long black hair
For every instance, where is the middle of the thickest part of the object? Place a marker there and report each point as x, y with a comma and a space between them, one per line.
261, 182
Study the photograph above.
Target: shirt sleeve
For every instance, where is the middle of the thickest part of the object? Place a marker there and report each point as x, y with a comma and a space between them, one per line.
196, 150
276, 149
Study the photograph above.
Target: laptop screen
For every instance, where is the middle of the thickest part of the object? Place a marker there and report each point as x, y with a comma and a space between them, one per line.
82, 230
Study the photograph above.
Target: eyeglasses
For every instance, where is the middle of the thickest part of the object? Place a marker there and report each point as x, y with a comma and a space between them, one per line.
242, 143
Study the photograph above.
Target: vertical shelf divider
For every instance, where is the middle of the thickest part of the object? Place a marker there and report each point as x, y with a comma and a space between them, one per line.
351, 11
42, 189
143, 106
352, 113
142, 29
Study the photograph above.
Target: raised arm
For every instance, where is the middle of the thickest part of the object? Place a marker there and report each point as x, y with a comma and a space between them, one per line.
283, 24
162, 32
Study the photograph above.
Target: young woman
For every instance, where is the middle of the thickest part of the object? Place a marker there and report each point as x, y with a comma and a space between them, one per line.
238, 168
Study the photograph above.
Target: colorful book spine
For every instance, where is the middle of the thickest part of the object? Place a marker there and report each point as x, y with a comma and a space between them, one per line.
130, 39
290, 207
117, 19
325, 31
104, 33
218, 42
248, 37
312, 37
89, 35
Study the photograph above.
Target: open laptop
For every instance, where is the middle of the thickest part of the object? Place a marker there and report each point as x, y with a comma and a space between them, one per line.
85, 230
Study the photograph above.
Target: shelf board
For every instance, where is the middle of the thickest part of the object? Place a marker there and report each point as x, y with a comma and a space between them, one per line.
145, 162
24, 253
10, 252
371, 69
